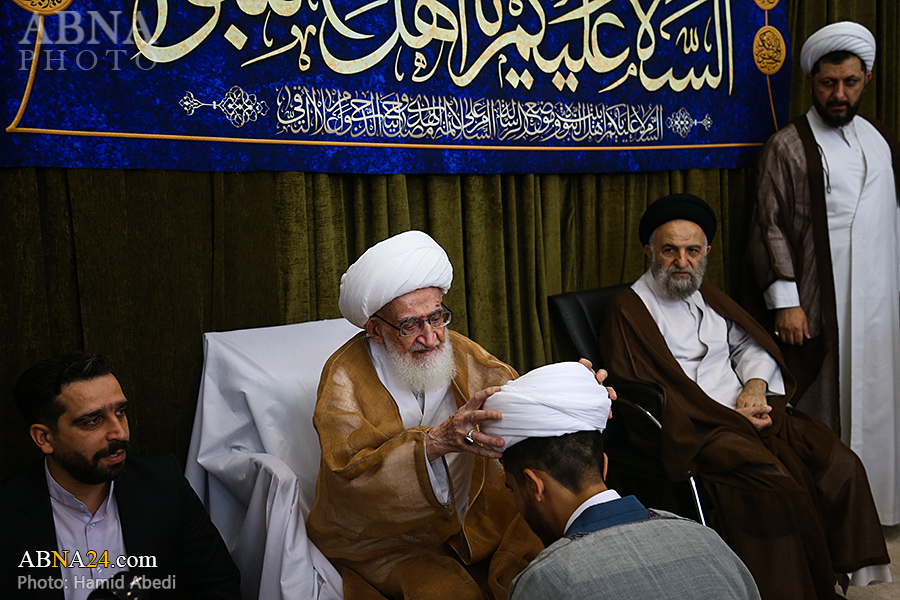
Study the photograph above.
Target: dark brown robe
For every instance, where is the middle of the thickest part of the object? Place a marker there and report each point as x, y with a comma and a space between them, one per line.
789, 241
792, 501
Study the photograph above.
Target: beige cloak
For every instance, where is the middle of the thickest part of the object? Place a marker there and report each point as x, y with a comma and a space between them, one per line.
376, 516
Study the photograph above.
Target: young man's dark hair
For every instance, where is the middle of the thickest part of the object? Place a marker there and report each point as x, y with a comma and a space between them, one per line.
38, 389
574, 460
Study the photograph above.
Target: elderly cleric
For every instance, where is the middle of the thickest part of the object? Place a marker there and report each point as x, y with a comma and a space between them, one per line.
791, 499
409, 503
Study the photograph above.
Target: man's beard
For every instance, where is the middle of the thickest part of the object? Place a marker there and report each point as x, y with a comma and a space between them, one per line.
423, 373
680, 287
834, 120
538, 524
88, 470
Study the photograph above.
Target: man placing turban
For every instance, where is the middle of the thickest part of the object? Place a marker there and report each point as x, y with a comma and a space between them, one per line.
599, 545
824, 253
409, 501
790, 499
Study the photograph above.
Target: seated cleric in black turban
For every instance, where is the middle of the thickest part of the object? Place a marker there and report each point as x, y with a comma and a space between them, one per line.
687, 207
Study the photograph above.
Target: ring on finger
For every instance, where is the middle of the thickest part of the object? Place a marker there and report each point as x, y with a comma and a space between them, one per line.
469, 439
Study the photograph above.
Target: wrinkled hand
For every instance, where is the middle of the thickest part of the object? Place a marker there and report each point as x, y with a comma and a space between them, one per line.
753, 394
758, 415
791, 326
601, 376
450, 436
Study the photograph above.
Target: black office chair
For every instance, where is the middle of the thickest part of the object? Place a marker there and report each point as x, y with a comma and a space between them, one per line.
576, 318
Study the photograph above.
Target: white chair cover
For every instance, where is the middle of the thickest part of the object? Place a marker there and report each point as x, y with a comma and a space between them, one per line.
254, 453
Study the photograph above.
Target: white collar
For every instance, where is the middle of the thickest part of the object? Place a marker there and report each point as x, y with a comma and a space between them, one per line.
604, 496
64, 497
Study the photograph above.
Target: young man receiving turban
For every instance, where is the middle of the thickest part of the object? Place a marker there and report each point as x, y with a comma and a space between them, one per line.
599, 545
409, 503
791, 500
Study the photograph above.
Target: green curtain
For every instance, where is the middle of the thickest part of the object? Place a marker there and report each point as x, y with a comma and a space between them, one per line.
139, 264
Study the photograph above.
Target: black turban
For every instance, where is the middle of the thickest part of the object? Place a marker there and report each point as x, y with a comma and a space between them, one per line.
687, 207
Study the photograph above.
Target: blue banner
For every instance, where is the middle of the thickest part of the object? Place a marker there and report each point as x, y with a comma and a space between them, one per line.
392, 86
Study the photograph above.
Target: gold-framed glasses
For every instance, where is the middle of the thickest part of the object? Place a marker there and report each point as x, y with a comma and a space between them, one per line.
414, 325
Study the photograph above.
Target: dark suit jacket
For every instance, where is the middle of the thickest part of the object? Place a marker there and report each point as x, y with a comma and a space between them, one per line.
160, 514
606, 514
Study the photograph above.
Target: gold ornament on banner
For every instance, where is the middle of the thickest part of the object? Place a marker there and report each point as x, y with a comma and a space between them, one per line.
766, 4
44, 7
769, 50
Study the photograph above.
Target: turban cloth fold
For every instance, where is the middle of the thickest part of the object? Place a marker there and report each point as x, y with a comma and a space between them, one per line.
549, 401
687, 207
847, 36
404, 263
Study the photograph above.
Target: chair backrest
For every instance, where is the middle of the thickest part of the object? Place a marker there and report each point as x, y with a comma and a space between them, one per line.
258, 394
576, 318
254, 453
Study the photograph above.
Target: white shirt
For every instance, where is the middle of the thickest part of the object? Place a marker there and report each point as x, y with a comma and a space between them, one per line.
78, 531
434, 409
714, 352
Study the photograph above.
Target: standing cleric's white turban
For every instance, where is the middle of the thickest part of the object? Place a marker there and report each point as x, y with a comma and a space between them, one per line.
847, 36
549, 401
404, 263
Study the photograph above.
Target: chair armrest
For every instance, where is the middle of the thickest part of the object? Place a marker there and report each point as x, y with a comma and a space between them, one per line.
261, 495
644, 399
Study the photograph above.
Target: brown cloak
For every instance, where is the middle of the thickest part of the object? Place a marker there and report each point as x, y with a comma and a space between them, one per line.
376, 516
789, 241
792, 501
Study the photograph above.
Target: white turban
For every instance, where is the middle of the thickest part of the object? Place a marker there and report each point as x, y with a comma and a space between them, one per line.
847, 36
549, 401
404, 263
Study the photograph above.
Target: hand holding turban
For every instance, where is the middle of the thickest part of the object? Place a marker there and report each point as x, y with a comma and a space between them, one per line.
549, 401
404, 263
847, 36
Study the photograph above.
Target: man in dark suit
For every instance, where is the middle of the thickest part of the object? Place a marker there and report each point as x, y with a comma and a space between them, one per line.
79, 516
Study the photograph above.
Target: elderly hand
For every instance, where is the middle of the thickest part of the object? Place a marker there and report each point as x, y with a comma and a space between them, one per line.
450, 436
752, 403
758, 415
753, 394
791, 326
601, 376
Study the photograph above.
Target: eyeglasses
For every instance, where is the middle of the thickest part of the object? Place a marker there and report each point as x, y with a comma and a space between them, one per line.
414, 325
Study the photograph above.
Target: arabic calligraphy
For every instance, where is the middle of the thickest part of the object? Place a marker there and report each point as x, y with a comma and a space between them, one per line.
769, 50
311, 111
675, 44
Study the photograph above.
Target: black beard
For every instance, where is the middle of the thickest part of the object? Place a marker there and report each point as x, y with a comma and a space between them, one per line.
89, 471
832, 120
538, 525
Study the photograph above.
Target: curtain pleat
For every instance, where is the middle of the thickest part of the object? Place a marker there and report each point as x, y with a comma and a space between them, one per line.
140, 263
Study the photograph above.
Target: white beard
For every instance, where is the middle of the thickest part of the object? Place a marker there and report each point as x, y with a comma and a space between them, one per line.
425, 373
678, 288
